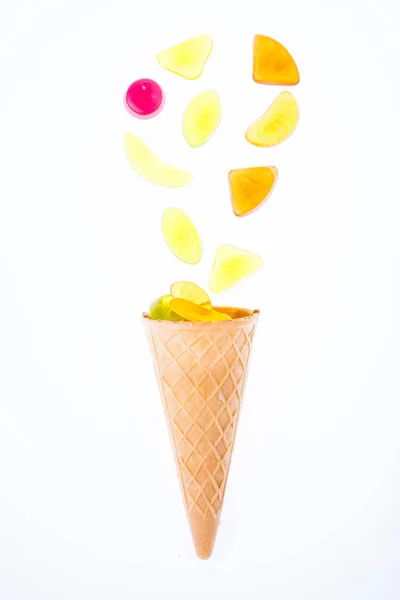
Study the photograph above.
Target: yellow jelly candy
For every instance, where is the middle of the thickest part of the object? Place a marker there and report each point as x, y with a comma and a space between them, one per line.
276, 124
195, 312
190, 291
231, 265
201, 118
160, 310
188, 58
272, 63
152, 168
250, 188
181, 236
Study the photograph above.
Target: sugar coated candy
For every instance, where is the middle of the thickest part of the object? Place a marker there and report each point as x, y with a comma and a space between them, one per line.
188, 58
231, 265
272, 63
201, 118
190, 291
250, 188
181, 236
196, 312
276, 124
152, 168
160, 310
144, 98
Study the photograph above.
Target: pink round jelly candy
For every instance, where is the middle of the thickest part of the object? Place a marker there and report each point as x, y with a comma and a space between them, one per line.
144, 98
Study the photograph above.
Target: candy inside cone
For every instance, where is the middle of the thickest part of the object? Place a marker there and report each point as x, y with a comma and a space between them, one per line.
144, 98
231, 265
201, 118
190, 291
276, 124
195, 312
181, 235
250, 188
161, 310
188, 58
272, 63
152, 168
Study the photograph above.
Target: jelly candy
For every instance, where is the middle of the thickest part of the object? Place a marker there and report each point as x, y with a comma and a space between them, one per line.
188, 58
190, 291
250, 188
231, 265
151, 168
276, 124
160, 310
144, 98
195, 312
272, 63
181, 236
201, 118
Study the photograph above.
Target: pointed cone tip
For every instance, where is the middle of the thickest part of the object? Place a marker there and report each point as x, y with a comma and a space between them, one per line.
204, 533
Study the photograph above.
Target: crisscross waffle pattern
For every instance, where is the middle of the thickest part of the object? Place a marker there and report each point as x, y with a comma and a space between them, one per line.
202, 370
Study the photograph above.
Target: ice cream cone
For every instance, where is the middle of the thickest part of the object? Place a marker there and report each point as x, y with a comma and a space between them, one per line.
201, 369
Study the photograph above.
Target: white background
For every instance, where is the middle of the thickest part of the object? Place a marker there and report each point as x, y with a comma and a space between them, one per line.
89, 500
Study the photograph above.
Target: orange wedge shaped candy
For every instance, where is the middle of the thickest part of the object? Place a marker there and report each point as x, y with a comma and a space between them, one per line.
250, 188
195, 312
272, 63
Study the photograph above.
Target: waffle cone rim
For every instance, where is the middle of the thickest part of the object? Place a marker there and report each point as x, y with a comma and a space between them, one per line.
186, 325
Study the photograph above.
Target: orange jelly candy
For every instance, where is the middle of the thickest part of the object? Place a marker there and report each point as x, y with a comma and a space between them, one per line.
196, 312
272, 63
190, 291
250, 188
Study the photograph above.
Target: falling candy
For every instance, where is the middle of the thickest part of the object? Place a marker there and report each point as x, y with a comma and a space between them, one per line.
160, 310
195, 312
144, 98
250, 188
190, 291
272, 63
188, 58
201, 118
181, 236
150, 167
277, 124
231, 265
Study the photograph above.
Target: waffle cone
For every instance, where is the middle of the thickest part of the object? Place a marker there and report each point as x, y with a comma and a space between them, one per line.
201, 370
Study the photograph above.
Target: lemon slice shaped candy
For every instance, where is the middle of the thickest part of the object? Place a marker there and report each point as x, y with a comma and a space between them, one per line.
201, 118
188, 58
190, 291
181, 236
277, 124
152, 168
231, 265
